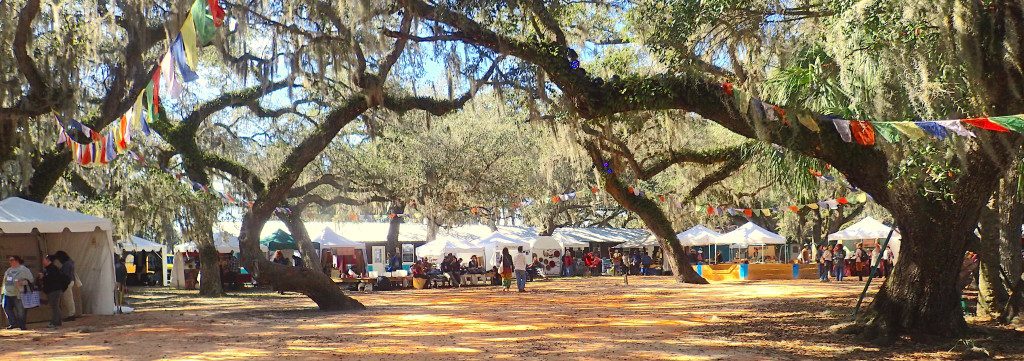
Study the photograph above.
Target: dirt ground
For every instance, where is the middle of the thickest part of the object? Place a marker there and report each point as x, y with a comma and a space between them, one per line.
573, 319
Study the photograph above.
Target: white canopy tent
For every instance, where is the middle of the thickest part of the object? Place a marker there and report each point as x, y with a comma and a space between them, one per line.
868, 229
331, 239
223, 241
32, 230
494, 243
549, 250
137, 244
438, 248
751, 235
698, 236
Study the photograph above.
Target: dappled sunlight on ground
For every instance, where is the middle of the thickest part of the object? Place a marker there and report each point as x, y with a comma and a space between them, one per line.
575, 319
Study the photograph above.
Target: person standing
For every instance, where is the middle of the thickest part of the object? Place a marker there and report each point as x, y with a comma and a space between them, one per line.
120, 277
839, 259
67, 266
889, 259
519, 262
860, 258
16, 278
53, 284
617, 264
567, 266
645, 264
826, 259
507, 266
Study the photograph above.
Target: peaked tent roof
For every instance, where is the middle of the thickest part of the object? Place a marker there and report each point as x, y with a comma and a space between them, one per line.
751, 234
331, 239
439, 247
698, 236
134, 243
867, 228
21, 216
503, 238
581, 237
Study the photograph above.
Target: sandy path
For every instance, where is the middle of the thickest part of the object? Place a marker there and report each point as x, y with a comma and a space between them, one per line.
577, 319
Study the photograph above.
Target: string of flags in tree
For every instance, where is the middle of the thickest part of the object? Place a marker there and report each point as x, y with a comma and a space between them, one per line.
834, 203
181, 56
866, 132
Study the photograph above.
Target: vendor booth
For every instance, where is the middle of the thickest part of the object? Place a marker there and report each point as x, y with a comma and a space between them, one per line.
549, 250
434, 251
185, 273
32, 230
758, 243
494, 243
145, 260
868, 231
706, 241
338, 253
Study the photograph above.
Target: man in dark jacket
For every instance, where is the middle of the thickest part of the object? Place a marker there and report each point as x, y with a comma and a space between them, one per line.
120, 276
54, 282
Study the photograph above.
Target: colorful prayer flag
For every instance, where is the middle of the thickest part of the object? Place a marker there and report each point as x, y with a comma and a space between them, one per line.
203, 22
934, 129
863, 133
843, 127
181, 59
1014, 122
887, 131
985, 123
910, 130
188, 38
808, 121
216, 12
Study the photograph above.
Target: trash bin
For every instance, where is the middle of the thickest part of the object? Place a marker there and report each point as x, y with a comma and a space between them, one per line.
744, 269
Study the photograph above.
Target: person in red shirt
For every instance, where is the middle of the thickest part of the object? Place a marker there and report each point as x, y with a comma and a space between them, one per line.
567, 263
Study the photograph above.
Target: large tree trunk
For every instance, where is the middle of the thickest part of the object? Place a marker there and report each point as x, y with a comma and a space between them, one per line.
396, 213
655, 219
922, 296
199, 227
432, 228
293, 220
999, 252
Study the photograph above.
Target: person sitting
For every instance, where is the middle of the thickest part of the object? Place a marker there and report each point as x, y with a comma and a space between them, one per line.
474, 266
279, 258
535, 269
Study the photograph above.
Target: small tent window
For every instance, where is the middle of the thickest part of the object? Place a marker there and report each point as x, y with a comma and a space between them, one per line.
408, 253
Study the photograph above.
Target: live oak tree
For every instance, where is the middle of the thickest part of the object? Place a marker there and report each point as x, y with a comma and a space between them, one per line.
922, 296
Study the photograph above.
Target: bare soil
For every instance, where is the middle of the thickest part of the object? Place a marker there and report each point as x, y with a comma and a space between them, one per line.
571, 319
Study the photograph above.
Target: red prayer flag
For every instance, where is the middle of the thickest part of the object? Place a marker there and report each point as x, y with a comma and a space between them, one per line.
711, 210
216, 12
661, 198
87, 155
555, 199
727, 87
794, 209
156, 91
748, 212
986, 124
594, 189
863, 132
842, 200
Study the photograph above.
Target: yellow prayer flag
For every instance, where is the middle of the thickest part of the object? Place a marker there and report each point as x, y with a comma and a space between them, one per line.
909, 129
188, 38
808, 121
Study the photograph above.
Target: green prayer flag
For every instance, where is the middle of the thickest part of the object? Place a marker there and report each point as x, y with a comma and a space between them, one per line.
149, 100
742, 99
887, 131
1012, 122
205, 30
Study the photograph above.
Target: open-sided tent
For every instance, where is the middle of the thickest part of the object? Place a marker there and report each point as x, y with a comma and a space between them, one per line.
279, 240
698, 236
32, 230
868, 229
751, 234
136, 244
494, 243
436, 250
224, 242
549, 250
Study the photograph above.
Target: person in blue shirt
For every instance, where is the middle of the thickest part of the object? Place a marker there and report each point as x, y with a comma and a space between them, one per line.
645, 264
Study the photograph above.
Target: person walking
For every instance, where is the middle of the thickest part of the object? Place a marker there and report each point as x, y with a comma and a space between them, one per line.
839, 260
889, 260
507, 266
53, 285
519, 263
16, 278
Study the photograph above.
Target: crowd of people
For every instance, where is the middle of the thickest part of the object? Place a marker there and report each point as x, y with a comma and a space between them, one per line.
835, 263
21, 289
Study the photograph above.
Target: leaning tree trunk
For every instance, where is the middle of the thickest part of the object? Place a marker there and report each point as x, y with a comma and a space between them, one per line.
999, 252
293, 220
654, 218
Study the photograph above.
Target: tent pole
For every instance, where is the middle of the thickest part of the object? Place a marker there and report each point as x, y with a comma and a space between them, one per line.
874, 267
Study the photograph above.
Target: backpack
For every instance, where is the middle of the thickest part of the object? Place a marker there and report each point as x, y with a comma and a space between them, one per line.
382, 284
